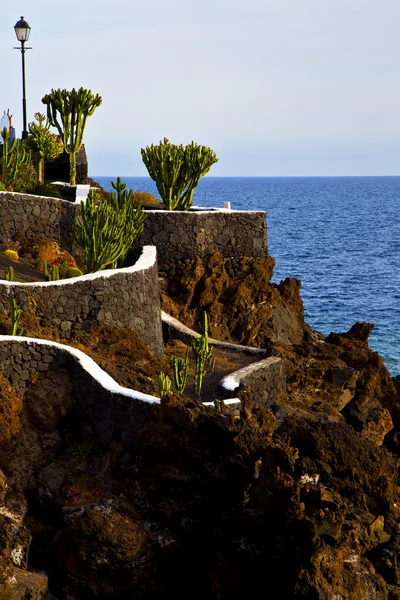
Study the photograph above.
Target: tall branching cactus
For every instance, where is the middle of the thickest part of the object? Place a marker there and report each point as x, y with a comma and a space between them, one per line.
107, 228
13, 157
177, 170
180, 367
68, 111
202, 354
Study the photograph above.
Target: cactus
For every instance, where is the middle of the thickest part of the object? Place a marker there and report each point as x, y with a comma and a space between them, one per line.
177, 170
164, 384
53, 273
68, 112
10, 274
107, 228
12, 255
43, 144
73, 272
13, 157
45, 269
180, 367
15, 317
202, 354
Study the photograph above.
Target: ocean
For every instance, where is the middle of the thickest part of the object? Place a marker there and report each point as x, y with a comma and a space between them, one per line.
339, 235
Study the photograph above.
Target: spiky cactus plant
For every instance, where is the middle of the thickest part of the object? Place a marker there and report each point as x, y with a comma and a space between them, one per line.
53, 273
164, 384
10, 274
68, 111
177, 170
180, 366
202, 354
15, 317
106, 229
13, 156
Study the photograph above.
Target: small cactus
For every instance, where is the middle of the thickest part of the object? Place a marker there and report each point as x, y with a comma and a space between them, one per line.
164, 384
15, 317
180, 366
10, 274
12, 255
202, 354
73, 272
53, 273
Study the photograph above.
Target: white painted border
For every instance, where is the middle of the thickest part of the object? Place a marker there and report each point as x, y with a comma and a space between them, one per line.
89, 365
60, 200
169, 320
146, 260
232, 382
93, 369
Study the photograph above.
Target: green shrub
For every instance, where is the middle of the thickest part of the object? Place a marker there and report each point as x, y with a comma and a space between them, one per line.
26, 179
140, 197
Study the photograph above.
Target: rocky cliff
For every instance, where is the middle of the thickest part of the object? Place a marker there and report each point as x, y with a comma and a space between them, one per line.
299, 499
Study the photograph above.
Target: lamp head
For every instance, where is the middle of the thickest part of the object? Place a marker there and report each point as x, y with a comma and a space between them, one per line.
22, 30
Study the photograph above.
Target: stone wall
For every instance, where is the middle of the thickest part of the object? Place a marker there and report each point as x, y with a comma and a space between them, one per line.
265, 379
38, 216
179, 236
105, 409
121, 298
182, 236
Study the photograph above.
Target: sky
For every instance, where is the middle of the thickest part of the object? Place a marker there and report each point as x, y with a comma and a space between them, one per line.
274, 87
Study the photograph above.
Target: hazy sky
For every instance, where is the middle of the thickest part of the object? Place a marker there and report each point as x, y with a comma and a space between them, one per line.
275, 87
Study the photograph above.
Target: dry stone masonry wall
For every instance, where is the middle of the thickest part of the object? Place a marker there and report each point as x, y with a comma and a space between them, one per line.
105, 409
266, 379
121, 298
182, 236
38, 216
179, 236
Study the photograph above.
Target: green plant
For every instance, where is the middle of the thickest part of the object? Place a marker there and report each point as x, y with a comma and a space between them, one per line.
45, 189
53, 273
180, 367
12, 255
106, 229
73, 272
164, 384
15, 317
26, 179
13, 156
43, 144
68, 112
10, 274
177, 170
202, 354
140, 197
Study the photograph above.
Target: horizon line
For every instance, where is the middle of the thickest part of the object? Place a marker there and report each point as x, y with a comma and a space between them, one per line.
256, 176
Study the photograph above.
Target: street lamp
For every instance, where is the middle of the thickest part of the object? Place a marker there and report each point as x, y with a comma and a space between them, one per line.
22, 31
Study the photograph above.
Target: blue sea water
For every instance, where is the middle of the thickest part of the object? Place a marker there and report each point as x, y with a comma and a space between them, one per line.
339, 235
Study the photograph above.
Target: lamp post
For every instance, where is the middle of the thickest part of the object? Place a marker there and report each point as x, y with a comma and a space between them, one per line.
22, 31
